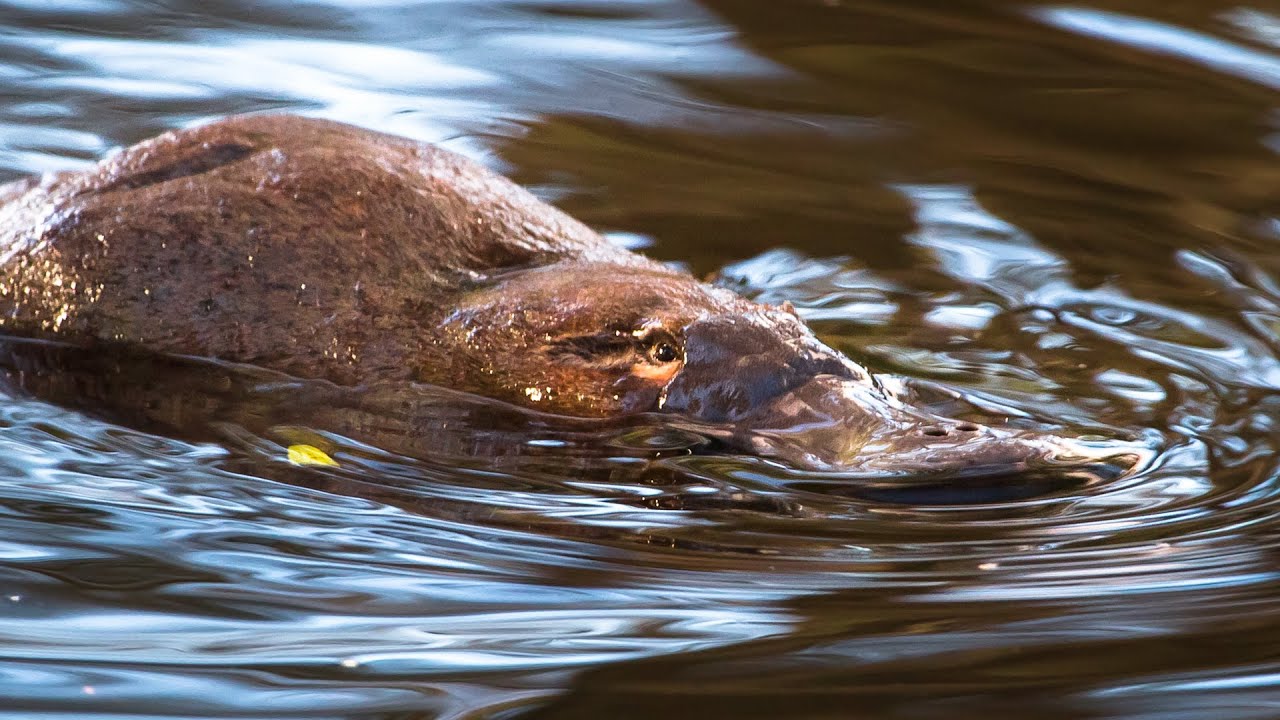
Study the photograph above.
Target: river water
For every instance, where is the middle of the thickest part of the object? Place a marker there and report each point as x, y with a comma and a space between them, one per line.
1063, 215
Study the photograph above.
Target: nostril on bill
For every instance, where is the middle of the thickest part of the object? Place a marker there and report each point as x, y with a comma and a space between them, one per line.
940, 431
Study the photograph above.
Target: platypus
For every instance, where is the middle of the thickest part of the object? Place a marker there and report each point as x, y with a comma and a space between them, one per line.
324, 250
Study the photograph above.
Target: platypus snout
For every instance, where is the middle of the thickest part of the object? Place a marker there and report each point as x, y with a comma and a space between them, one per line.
833, 423
787, 395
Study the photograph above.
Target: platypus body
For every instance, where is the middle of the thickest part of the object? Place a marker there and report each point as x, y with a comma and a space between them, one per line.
327, 251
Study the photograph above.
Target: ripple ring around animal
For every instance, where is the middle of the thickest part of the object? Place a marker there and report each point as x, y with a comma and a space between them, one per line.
323, 250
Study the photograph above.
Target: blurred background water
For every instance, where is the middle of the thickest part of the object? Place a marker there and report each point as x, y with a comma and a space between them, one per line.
1064, 214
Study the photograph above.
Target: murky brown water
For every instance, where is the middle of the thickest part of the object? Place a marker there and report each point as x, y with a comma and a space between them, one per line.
1067, 213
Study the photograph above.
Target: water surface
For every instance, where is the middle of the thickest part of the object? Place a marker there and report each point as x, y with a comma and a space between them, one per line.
1059, 215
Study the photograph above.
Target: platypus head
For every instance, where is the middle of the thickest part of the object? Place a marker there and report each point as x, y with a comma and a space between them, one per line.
602, 340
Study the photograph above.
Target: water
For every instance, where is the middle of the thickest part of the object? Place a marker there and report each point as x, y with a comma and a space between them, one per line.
1066, 214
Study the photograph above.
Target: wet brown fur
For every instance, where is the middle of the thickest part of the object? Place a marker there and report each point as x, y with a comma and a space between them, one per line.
329, 251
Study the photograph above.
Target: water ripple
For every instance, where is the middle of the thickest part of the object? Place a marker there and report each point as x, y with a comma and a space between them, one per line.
997, 204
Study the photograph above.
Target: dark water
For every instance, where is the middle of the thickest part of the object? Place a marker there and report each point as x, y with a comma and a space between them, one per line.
1066, 213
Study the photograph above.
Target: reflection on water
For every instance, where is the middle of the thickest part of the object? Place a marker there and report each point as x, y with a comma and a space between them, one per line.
1056, 215
1158, 38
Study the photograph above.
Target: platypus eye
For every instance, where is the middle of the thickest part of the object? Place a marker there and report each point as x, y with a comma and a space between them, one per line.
661, 348
664, 352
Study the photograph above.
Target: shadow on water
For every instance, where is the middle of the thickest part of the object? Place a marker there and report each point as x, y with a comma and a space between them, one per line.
1056, 215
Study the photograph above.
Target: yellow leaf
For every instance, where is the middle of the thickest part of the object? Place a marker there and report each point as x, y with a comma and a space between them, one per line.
309, 455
